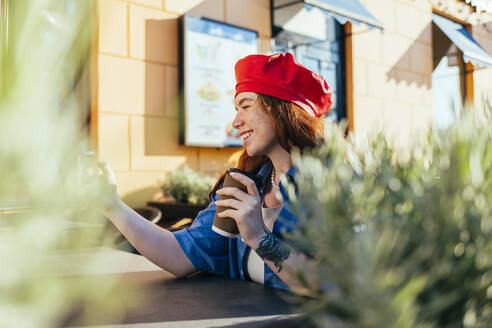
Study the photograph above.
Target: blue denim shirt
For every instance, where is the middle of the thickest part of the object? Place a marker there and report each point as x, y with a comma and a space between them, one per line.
211, 252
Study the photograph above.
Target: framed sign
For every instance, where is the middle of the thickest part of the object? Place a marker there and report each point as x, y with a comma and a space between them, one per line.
210, 50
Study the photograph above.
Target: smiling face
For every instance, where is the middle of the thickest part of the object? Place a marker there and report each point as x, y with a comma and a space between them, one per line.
255, 126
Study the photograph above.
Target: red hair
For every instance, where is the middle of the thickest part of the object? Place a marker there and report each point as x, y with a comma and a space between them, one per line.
293, 127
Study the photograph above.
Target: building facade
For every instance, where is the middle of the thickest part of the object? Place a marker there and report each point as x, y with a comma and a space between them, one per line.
392, 80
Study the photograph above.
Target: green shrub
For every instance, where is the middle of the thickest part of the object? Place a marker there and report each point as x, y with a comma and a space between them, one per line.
188, 186
399, 243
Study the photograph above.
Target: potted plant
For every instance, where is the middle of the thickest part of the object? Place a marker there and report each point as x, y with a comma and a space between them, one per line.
186, 193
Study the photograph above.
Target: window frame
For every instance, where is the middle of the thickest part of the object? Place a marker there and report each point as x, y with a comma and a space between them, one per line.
465, 69
343, 65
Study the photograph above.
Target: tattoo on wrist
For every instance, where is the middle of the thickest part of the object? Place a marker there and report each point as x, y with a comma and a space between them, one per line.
273, 249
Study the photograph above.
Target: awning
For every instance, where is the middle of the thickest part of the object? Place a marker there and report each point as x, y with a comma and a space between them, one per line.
472, 51
308, 17
346, 10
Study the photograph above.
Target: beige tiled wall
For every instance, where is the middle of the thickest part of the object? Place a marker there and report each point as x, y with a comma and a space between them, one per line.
153, 35
138, 81
391, 70
138, 88
114, 145
483, 77
113, 27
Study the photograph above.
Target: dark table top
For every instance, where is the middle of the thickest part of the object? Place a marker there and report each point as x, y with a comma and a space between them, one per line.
201, 300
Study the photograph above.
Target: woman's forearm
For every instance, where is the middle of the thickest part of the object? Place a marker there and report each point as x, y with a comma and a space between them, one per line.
285, 262
155, 243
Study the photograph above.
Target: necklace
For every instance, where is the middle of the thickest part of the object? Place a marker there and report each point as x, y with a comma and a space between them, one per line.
272, 179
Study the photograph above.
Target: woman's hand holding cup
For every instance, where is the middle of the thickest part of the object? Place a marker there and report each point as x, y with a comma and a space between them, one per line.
244, 207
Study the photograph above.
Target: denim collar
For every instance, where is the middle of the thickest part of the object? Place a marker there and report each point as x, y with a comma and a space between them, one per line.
266, 170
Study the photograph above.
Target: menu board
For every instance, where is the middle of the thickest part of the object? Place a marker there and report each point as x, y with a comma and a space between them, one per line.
210, 51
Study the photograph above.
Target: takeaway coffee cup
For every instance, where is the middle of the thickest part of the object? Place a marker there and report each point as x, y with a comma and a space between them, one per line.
227, 226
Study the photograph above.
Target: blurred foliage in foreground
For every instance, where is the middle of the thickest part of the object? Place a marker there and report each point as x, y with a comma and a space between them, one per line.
400, 243
44, 216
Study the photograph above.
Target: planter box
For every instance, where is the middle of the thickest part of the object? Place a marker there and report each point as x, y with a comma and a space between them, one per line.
173, 211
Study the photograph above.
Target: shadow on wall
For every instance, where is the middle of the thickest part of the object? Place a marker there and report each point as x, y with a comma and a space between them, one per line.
161, 88
396, 73
486, 28
160, 123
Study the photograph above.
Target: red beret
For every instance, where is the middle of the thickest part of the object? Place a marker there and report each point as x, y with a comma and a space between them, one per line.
280, 76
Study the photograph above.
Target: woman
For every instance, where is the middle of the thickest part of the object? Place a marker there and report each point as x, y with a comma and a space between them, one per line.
278, 104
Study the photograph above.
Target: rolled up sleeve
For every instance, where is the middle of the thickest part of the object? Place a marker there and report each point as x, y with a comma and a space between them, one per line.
206, 249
